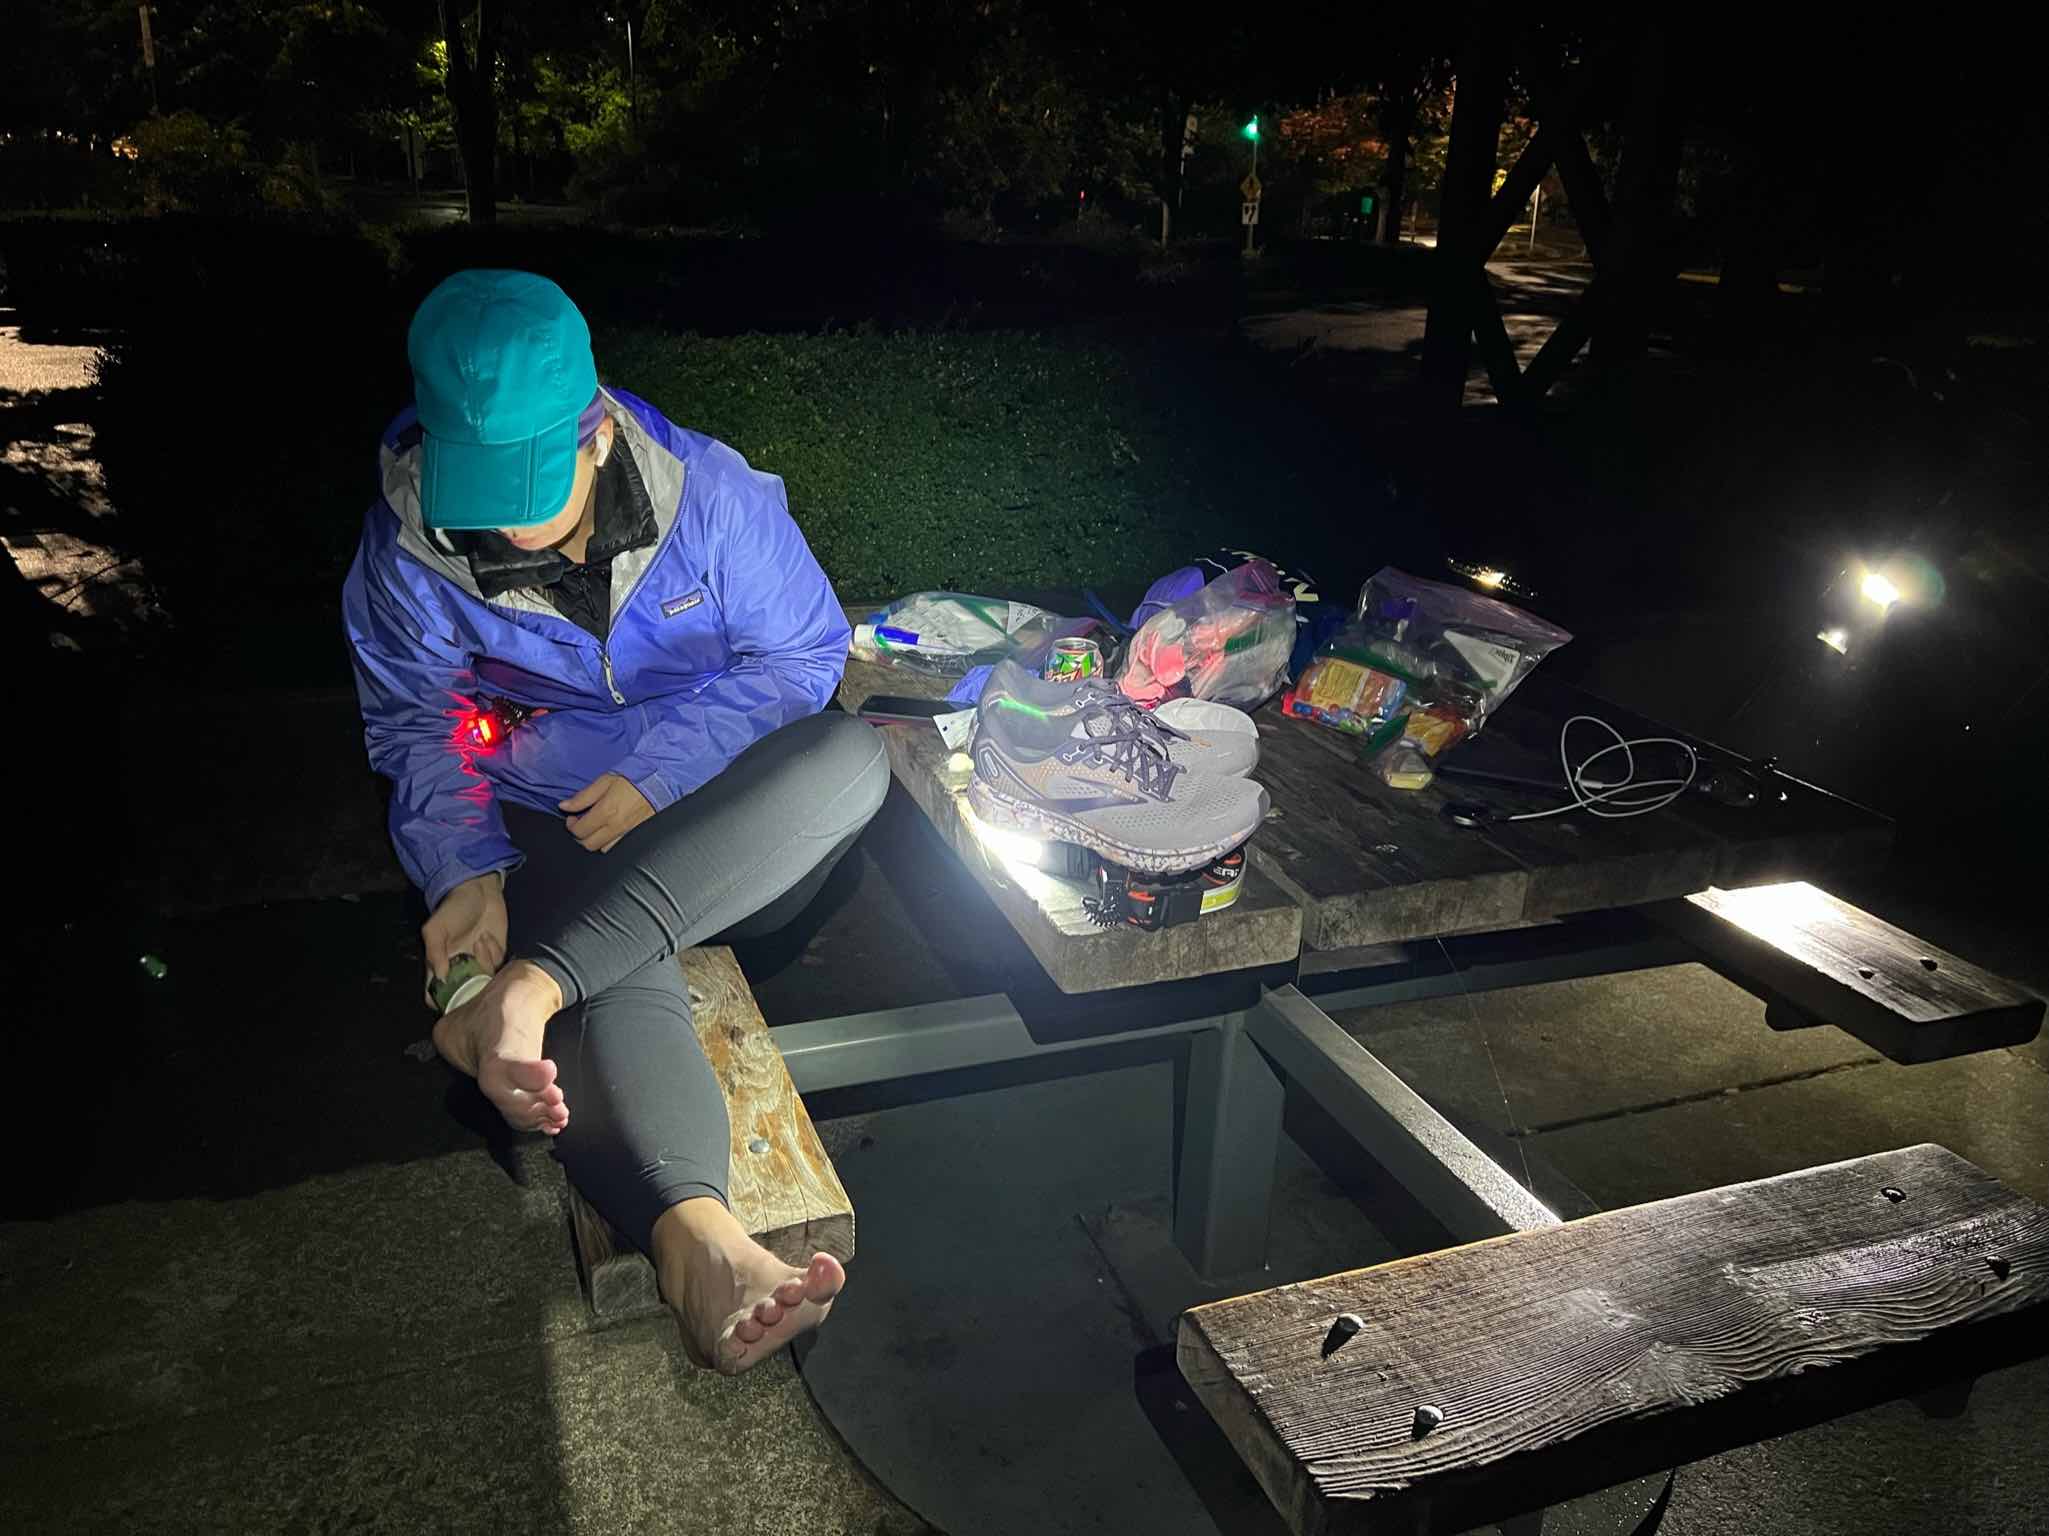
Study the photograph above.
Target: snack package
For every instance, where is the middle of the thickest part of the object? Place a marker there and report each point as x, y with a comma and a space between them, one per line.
1345, 695
1462, 653
1228, 643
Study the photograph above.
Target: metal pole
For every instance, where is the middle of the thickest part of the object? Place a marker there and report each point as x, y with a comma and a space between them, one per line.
1254, 201
1536, 207
632, 85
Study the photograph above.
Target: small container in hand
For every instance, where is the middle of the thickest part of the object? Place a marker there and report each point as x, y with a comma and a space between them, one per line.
465, 979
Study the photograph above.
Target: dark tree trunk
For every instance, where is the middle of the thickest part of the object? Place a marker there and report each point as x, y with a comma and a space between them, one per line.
472, 95
1646, 182
1480, 102
1173, 123
1398, 127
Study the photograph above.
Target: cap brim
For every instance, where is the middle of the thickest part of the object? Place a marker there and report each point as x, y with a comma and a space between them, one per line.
497, 485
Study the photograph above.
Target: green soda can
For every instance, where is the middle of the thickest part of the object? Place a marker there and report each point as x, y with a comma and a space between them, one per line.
465, 979
1073, 659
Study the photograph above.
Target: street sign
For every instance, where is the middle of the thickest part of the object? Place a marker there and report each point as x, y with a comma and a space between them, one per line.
1248, 214
1250, 187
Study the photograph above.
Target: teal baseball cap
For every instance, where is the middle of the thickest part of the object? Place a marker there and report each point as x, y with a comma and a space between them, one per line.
502, 369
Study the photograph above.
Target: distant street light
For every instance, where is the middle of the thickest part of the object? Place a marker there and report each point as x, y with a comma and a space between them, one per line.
1251, 131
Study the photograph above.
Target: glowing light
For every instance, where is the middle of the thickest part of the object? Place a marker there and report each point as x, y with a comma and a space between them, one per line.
1879, 590
1769, 911
1837, 640
1251, 129
1018, 850
1489, 578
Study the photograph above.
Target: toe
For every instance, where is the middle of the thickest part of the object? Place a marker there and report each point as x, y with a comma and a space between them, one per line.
533, 1076
748, 1331
791, 1292
825, 1279
768, 1313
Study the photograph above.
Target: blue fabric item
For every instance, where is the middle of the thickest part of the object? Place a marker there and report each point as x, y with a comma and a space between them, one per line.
1109, 618
1169, 590
967, 693
722, 631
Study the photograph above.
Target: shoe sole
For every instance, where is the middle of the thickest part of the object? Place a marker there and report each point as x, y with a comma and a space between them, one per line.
1011, 815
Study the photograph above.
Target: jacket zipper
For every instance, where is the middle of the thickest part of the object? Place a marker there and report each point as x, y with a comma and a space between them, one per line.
612, 623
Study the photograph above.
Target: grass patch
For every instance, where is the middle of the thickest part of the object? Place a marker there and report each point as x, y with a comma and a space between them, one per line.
972, 461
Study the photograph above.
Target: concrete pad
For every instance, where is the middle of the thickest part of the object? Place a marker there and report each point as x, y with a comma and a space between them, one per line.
1990, 1108
1568, 1050
129, 1314
609, 1432
980, 1362
1889, 1468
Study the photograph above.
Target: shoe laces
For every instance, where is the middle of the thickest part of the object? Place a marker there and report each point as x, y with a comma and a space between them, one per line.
1109, 708
1129, 751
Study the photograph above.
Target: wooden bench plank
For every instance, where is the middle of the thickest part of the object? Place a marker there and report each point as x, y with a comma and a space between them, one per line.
1263, 927
1570, 1358
1837, 964
781, 1185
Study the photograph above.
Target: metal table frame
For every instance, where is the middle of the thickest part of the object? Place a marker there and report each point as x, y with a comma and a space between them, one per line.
1232, 1067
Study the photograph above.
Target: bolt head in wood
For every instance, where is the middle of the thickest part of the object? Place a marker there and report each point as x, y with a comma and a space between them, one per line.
757, 1145
1342, 1329
1428, 1417
2000, 1268
1894, 1195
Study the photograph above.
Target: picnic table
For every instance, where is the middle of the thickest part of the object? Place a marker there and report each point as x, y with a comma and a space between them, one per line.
1357, 894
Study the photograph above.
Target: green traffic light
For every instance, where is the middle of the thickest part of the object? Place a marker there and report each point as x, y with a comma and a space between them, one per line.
1251, 129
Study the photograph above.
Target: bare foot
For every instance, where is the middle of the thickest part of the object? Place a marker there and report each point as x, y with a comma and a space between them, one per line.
496, 1038
735, 1302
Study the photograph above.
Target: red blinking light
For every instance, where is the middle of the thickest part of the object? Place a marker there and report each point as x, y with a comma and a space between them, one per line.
486, 732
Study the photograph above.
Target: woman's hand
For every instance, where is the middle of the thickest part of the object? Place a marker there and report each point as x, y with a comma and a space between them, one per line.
469, 921
605, 810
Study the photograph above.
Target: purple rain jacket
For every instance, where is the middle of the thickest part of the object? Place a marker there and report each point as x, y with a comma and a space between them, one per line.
722, 630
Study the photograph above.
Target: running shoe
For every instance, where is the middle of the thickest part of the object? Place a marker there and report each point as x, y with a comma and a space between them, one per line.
1041, 769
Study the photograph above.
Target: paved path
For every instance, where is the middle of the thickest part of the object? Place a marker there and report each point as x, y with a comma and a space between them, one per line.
66, 582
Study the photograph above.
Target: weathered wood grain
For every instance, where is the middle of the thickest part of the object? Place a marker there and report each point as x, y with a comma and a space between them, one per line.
1837, 964
781, 1185
1570, 1358
1263, 927
1371, 865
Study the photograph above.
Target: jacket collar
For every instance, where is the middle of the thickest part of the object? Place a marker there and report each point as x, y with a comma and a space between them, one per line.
662, 474
623, 519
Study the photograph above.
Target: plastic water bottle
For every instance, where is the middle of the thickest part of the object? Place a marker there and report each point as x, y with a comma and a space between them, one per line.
950, 632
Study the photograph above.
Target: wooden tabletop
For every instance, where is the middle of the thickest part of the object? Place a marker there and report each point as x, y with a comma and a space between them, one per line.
1345, 861
1373, 865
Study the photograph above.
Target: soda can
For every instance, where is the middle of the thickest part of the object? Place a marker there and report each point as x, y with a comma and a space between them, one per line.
1073, 659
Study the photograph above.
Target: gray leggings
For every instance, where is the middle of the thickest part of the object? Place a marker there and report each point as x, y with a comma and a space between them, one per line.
741, 856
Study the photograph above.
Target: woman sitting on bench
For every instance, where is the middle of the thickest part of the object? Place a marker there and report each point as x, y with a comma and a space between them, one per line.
591, 649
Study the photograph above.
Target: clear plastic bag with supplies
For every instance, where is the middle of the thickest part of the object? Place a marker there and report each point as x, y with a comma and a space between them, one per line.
1228, 643
1460, 653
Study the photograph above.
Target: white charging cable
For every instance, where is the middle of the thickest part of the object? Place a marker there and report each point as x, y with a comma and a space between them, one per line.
1603, 797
